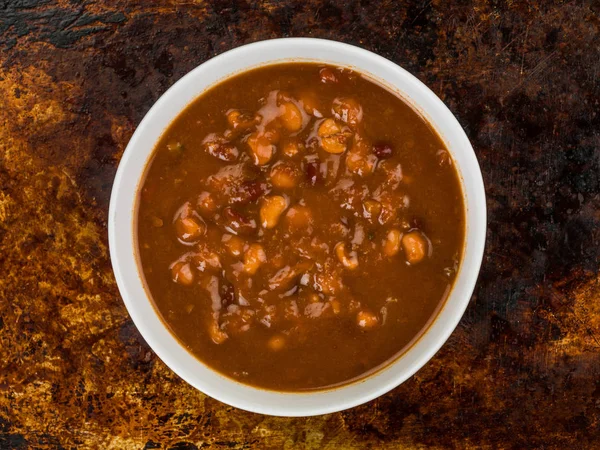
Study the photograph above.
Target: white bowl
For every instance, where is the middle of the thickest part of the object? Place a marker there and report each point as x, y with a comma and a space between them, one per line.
123, 210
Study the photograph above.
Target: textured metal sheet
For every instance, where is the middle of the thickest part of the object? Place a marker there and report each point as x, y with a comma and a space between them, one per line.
521, 371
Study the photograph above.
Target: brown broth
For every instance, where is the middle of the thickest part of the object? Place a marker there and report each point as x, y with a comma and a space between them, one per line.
331, 322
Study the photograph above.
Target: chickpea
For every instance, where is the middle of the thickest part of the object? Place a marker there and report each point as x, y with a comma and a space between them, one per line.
291, 116
271, 210
348, 259
334, 144
189, 229
285, 175
415, 246
253, 259
333, 138
348, 110
261, 147
366, 319
205, 260
299, 217
371, 209
233, 244
310, 103
329, 127
359, 159
391, 244
276, 342
182, 273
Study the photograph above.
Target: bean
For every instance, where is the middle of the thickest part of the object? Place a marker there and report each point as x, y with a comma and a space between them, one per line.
333, 137
285, 175
329, 127
246, 192
204, 260
261, 146
271, 210
391, 245
348, 259
233, 244
310, 103
291, 116
189, 229
182, 273
313, 174
415, 247
217, 146
359, 159
253, 259
287, 276
383, 150
366, 319
299, 217
348, 110
237, 223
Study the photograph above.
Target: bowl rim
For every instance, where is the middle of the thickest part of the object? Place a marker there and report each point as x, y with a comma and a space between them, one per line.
123, 242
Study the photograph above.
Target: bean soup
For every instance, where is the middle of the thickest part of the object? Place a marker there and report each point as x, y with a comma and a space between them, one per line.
299, 226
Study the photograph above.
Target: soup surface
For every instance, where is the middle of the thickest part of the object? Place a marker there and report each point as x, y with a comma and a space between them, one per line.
299, 226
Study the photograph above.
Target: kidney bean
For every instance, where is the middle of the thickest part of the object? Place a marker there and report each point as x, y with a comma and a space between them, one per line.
238, 223
383, 150
313, 172
247, 192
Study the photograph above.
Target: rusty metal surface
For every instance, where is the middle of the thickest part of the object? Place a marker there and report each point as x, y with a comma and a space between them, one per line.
521, 371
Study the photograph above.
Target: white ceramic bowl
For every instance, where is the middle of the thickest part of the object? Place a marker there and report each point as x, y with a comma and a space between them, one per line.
123, 211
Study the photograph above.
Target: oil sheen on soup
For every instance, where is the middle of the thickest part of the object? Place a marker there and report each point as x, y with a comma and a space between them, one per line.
299, 226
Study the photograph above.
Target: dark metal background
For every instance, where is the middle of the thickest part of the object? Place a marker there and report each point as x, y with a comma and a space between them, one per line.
521, 371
